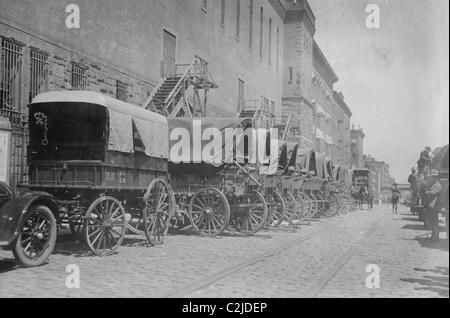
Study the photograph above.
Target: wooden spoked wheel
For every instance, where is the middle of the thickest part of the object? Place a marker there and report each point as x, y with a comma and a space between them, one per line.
254, 214
302, 206
314, 206
277, 209
306, 204
209, 212
332, 206
291, 205
37, 237
104, 226
320, 203
158, 212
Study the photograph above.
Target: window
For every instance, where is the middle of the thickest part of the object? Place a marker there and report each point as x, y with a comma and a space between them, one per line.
10, 74
238, 18
250, 28
222, 12
79, 79
272, 107
204, 5
270, 41
121, 91
38, 73
290, 74
278, 49
261, 21
240, 101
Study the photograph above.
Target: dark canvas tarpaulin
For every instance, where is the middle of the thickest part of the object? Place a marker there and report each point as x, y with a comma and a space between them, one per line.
274, 165
306, 160
321, 167
440, 159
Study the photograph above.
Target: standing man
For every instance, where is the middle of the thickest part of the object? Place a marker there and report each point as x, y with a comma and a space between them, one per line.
395, 198
424, 160
412, 180
432, 205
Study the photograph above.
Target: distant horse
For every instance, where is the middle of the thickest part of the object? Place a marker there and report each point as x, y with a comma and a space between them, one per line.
363, 196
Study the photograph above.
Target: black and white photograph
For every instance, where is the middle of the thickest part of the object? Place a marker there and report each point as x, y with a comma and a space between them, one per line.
224, 153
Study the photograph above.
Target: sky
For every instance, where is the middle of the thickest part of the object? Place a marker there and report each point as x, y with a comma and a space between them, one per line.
395, 79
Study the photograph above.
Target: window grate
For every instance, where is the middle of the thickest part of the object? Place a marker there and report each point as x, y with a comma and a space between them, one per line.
79, 78
10, 75
38, 73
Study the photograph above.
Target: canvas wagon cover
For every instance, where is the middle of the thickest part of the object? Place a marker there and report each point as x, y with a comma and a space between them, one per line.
440, 160
196, 127
151, 127
278, 164
306, 159
321, 165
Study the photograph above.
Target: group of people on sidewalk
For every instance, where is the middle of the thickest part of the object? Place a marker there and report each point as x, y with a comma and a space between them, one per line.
425, 185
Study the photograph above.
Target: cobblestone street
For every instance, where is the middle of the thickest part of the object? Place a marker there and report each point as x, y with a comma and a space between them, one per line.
322, 258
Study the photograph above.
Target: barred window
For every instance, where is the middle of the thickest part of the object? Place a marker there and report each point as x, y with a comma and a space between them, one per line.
10, 74
38, 73
121, 91
79, 78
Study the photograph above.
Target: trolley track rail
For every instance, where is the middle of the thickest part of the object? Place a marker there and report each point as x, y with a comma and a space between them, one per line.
205, 282
323, 282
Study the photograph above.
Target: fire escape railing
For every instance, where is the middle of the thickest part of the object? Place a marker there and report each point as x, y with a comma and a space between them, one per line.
196, 73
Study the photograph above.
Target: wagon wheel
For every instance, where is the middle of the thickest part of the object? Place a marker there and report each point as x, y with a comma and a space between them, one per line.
209, 212
291, 205
105, 226
302, 206
314, 205
321, 204
277, 209
37, 237
254, 218
158, 212
332, 206
305, 207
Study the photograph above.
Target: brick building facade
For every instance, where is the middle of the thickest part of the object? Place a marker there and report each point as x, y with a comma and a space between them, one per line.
257, 52
356, 148
342, 130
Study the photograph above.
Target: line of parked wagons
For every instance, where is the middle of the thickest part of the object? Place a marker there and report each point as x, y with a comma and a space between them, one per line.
101, 166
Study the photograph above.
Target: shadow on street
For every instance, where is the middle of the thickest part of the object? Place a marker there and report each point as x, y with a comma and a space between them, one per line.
435, 280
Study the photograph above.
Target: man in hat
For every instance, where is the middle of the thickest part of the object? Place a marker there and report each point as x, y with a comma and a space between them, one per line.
424, 160
432, 205
412, 180
395, 198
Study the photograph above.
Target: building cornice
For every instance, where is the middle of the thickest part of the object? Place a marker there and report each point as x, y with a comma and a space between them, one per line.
322, 65
290, 12
339, 99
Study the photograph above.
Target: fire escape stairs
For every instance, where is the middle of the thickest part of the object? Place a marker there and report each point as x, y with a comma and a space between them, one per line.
169, 96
